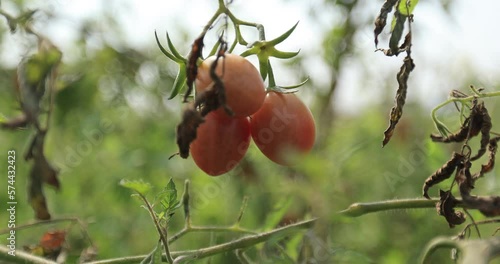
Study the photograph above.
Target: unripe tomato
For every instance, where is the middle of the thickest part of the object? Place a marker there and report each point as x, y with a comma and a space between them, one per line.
283, 127
221, 142
245, 91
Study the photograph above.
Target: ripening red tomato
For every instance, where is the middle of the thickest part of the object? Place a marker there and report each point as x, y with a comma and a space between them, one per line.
221, 142
245, 91
283, 127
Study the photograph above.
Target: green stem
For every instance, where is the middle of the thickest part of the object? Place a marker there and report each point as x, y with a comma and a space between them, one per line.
247, 241
359, 209
193, 229
161, 231
462, 100
241, 243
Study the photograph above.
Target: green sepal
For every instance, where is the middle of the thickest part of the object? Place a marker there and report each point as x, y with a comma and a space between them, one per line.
164, 51
180, 81
283, 36
263, 66
283, 54
173, 49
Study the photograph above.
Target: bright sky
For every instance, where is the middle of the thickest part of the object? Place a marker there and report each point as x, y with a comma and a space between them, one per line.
446, 48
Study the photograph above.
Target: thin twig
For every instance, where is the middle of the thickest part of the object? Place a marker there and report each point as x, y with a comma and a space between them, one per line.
161, 231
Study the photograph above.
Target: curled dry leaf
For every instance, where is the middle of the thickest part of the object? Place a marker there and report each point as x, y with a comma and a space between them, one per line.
442, 173
446, 208
397, 110
186, 130
381, 19
192, 68
492, 149
209, 100
485, 128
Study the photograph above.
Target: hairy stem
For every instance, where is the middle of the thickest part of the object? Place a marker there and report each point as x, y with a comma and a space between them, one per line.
359, 209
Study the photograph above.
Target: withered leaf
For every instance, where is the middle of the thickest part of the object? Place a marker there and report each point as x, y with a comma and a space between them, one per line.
477, 121
397, 33
381, 19
446, 208
192, 67
397, 110
485, 128
485, 168
442, 173
186, 130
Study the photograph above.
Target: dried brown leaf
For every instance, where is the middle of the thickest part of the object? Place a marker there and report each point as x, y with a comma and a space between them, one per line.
192, 67
186, 130
485, 126
397, 110
446, 208
442, 173
381, 19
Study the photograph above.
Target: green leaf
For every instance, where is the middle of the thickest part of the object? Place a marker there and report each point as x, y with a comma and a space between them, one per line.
405, 9
168, 197
180, 81
139, 186
397, 33
155, 256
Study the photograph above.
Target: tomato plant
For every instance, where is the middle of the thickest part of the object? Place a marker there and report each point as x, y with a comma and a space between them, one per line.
221, 143
283, 126
245, 91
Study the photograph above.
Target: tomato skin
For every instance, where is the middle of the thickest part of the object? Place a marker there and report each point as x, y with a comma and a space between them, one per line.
221, 142
283, 125
245, 91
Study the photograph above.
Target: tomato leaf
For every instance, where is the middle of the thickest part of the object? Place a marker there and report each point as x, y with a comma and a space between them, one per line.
381, 19
168, 197
406, 7
397, 33
138, 186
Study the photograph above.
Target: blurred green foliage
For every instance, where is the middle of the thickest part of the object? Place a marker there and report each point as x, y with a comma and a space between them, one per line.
112, 122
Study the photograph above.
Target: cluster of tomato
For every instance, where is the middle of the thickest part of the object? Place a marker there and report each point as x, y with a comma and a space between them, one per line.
280, 124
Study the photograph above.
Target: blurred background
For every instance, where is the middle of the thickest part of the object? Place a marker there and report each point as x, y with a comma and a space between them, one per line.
116, 74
